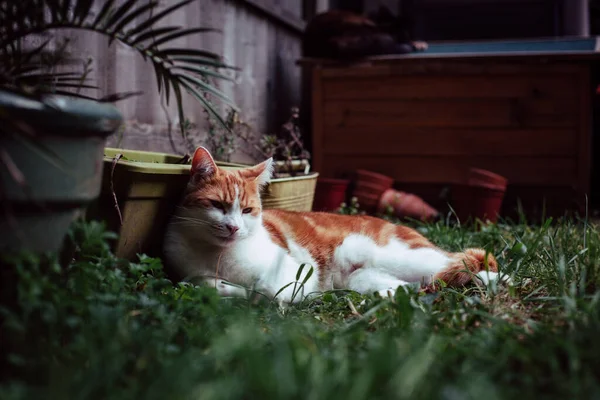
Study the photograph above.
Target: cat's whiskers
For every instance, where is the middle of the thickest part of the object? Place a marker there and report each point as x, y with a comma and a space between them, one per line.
358, 253
196, 221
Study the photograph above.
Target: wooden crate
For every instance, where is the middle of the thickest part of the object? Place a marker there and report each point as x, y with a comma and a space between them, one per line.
425, 121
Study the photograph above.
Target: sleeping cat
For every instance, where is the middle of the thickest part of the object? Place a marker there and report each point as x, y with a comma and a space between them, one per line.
339, 34
220, 234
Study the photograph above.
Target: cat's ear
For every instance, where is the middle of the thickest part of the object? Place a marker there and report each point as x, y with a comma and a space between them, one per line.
261, 173
203, 165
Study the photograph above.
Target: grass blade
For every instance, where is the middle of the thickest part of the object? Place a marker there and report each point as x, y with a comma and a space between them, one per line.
112, 98
166, 53
134, 14
150, 22
207, 106
203, 61
180, 33
119, 13
81, 11
64, 12
178, 98
151, 34
203, 71
208, 88
104, 11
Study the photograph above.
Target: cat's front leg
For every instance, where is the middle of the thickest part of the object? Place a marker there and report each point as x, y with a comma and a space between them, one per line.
282, 284
369, 280
224, 288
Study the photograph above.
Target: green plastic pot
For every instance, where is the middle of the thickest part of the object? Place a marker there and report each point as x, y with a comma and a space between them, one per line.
60, 165
148, 186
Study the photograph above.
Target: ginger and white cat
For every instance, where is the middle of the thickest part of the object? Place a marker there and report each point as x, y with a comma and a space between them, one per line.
220, 234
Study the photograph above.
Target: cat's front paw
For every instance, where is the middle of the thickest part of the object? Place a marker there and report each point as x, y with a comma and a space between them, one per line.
485, 277
387, 293
420, 46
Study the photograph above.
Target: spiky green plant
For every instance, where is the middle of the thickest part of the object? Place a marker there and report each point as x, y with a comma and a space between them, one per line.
134, 23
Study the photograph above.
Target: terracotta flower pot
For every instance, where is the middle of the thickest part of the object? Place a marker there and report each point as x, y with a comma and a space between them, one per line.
483, 177
369, 187
330, 194
406, 205
481, 197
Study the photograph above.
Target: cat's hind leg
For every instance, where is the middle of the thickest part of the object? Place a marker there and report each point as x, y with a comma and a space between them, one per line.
370, 280
472, 265
224, 288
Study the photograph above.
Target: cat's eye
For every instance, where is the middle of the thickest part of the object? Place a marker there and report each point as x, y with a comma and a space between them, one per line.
247, 210
217, 204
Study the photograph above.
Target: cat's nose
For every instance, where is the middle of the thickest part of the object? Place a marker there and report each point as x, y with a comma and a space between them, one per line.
232, 228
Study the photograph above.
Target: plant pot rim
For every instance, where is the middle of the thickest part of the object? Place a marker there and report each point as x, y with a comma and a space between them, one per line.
311, 175
373, 173
61, 115
156, 167
334, 180
479, 186
293, 162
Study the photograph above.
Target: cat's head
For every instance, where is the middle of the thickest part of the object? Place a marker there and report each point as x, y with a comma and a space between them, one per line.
224, 205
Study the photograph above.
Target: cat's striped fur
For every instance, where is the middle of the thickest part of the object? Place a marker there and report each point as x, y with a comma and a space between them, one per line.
220, 234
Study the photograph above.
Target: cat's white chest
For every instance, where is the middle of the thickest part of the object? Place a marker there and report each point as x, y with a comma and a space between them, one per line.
252, 258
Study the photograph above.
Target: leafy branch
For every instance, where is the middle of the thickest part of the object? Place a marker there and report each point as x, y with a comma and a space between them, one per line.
176, 69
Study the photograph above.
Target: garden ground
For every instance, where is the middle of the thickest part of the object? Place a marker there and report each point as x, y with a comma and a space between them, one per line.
98, 327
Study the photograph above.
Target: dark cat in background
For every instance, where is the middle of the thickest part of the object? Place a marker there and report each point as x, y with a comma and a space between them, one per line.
338, 34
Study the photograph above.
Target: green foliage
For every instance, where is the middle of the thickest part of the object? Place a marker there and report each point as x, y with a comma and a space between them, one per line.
101, 327
350, 209
137, 24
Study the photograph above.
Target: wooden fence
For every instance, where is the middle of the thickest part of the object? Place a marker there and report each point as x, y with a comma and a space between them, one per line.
262, 38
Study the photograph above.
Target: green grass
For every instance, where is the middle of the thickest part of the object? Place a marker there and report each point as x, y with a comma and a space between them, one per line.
103, 328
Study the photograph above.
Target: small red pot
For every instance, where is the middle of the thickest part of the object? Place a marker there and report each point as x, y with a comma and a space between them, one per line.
369, 187
483, 177
406, 205
481, 197
330, 194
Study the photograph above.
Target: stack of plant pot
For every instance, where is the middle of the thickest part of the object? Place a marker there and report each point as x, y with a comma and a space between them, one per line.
480, 197
140, 190
375, 194
330, 193
51, 172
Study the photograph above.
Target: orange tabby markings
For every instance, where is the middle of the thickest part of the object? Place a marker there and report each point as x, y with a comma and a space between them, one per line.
465, 265
220, 233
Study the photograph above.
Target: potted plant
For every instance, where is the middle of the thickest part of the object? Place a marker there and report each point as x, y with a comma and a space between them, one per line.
480, 197
140, 189
52, 136
293, 184
330, 194
369, 186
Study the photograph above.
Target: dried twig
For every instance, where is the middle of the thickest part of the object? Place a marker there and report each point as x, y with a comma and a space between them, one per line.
112, 186
13, 170
18, 176
353, 309
217, 269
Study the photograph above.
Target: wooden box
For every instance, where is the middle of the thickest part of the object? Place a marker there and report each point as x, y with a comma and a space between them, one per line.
426, 120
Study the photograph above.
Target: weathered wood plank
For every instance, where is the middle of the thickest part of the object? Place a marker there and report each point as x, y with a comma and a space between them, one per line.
584, 166
449, 113
390, 141
435, 67
318, 118
559, 88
